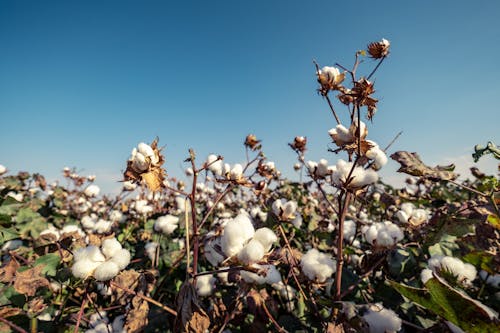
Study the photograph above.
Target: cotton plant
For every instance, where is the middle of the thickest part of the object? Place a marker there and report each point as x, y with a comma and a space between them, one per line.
92, 223
464, 273
92, 191
358, 178
103, 263
205, 285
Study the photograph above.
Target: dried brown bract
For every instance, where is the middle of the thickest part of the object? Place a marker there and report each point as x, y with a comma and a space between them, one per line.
299, 144
252, 142
380, 49
361, 92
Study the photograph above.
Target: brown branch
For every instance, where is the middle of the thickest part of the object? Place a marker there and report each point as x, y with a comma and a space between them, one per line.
393, 140
331, 108
80, 314
12, 325
146, 298
340, 240
271, 318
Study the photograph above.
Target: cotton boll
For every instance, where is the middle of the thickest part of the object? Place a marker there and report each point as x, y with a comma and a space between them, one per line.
349, 230
205, 285
381, 320
340, 135
384, 234
418, 217
116, 216
267, 274
236, 172
426, 275
3, 169
121, 258
236, 232
92, 191
110, 247
150, 250
166, 224
322, 169
408, 208
90, 252
317, 266
266, 237
71, 228
102, 226
214, 165
297, 221
16, 196
106, 271
402, 216
251, 253
83, 268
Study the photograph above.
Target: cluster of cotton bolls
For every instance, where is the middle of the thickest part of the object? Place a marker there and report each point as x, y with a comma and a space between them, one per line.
382, 320
56, 234
99, 323
317, 266
408, 213
93, 223
319, 169
464, 273
358, 178
142, 207
287, 211
92, 191
103, 263
382, 234
143, 157
234, 172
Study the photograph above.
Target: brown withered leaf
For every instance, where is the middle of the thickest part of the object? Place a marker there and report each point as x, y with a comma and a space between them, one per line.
128, 279
137, 316
333, 328
411, 164
36, 306
6, 312
8, 272
29, 281
190, 315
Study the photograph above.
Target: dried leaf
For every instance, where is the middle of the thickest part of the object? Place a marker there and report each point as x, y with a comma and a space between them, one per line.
29, 281
411, 164
137, 316
154, 179
127, 279
190, 315
333, 328
6, 312
8, 272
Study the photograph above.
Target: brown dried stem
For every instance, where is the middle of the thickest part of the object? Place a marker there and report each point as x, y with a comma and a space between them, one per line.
146, 298
340, 244
12, 325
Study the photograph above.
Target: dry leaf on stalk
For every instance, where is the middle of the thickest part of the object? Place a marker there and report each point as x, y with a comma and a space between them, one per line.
137, 316
8, 272
411, 164
190, 315
29, 281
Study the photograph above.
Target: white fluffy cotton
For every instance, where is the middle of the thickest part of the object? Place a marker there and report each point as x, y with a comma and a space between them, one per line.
382, 320
205, 285
377, 155
92, 191
252, 252
266, 237
150, 249
166, 224
360, 177
236, 233
409, 214
267, 274
317, 266
383, 234
285, 210
214, 165
3, 169
464, 272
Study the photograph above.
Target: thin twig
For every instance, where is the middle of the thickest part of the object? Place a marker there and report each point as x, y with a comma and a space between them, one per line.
331, 108
376, 67
12, 325
80, 314
270, 316
469, 188
393, 140
340, 240
146, 298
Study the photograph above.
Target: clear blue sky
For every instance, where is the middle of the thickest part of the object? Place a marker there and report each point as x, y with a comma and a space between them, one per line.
81, 83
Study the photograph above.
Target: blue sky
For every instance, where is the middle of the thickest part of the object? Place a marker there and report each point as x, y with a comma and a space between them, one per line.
81, 83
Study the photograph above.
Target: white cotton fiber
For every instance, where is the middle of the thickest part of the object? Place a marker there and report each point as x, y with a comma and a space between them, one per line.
110, 247
205, 285
121, 258
106, 271
252, 252
236, 233
317, 266
266, 237
83, 268
382, 320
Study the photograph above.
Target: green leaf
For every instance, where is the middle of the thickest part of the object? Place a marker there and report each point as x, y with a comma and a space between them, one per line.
494, 220
483, 260
446, 245
452, 305
7, 234
50, 262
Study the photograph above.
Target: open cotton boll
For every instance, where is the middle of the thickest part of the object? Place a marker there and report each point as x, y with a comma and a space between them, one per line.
106, 271
92, 191
121, 258
83, 268
3, 169
110, 247
359, 177
317, 266
267, 274
349, 230
464, 272
102, 226
384, 234
236, 172
251, 253
378, 156
340, 135
382, 320
425, 275
236, 233
150, 250
166, 224
90, 252
205, 285
418, 217
214, 165
266, 237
